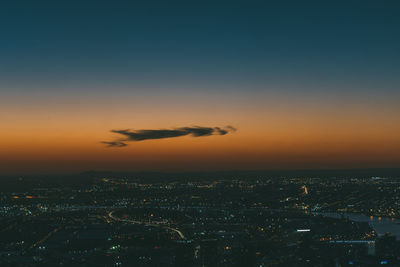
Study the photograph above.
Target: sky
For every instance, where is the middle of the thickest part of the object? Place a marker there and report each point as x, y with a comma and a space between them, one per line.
198, 85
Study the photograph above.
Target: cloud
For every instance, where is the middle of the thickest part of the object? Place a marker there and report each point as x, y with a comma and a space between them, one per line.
114, 143
141, 135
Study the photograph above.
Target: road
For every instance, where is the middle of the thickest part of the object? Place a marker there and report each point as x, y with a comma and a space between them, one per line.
180, 234
43, 239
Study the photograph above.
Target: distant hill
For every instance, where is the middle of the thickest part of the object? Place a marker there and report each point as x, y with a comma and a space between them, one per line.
87, 177
346, 173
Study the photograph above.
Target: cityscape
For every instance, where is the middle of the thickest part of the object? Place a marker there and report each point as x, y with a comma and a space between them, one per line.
245, 220
224, 133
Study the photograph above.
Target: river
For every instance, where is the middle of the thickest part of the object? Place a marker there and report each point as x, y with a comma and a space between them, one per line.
381, 225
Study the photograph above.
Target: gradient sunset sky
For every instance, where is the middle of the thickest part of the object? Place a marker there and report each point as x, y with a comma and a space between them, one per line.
307, 84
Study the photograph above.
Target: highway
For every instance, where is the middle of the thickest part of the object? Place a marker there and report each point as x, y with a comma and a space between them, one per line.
154, 224
43, 239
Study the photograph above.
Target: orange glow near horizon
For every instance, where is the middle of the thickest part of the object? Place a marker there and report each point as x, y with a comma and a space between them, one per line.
66, 137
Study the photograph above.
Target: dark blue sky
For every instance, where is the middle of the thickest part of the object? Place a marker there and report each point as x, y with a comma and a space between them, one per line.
346, 44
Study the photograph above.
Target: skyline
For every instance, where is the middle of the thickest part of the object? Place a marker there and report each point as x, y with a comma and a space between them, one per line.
306, 86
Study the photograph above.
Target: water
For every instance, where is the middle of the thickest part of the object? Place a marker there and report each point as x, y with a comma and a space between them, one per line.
381, 225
